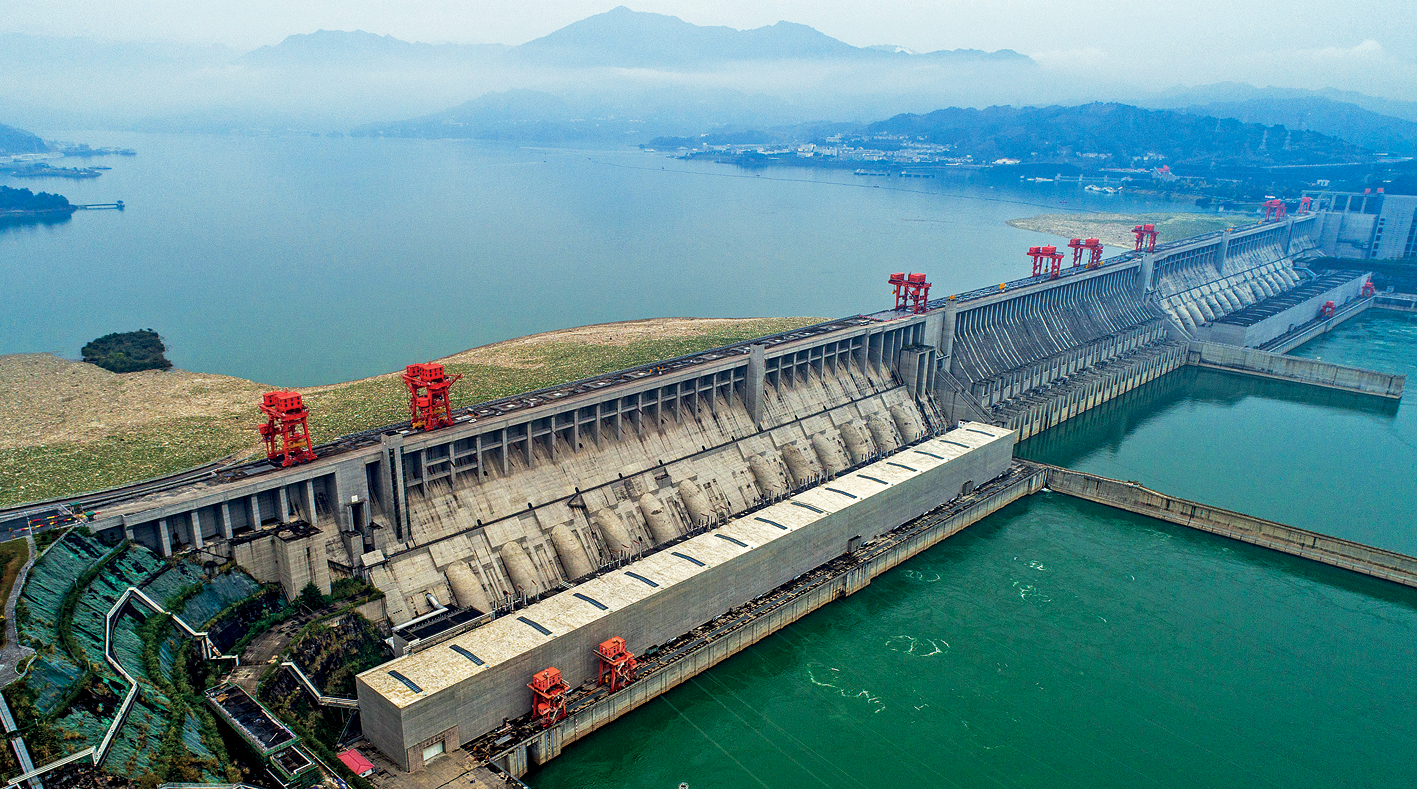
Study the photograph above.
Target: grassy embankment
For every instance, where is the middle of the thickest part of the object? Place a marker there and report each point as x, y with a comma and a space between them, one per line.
89, 442
1115, 230
13, 555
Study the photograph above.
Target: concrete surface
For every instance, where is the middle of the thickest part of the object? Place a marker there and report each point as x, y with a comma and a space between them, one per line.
1133, 497
1291, 368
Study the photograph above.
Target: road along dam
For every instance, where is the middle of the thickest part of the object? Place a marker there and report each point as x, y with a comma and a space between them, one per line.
692, 506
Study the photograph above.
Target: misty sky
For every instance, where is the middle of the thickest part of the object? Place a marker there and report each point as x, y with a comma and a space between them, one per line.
1224, 27
1368, 45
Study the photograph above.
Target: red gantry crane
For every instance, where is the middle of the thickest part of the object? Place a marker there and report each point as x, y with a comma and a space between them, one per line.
286, 421
1053, 258
617, 664
1146, 237
428, 389
912, 292
1273, 209
1091, 247
548, 696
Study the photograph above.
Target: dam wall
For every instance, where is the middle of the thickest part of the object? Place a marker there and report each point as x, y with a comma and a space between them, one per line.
645, 503
1039, 351
526, 493
1133, 497
1259, 324
444, 694
1203, 280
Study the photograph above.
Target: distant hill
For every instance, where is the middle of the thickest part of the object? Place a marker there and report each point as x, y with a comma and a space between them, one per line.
1117, 135
1321, 114
634, 39
618, 38
630, 117
512, 114
1238, 92
326, 48
14, 141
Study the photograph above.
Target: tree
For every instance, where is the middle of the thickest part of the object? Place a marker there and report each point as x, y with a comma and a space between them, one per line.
311, 598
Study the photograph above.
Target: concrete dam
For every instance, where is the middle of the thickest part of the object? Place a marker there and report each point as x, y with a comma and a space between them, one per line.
649, 504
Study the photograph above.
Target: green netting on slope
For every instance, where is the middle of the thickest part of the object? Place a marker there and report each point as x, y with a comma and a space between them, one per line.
49, 580
166, 586
50, 677
217, 595
128, 651
86, 722
167, 653
192, 737
137, 743
130, 569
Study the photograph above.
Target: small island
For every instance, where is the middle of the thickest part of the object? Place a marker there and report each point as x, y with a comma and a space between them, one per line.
22, 206
128, 352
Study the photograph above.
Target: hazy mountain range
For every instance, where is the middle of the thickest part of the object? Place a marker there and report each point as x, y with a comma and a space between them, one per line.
14, 140
1117, 133
331, 80
619, 38
620, 75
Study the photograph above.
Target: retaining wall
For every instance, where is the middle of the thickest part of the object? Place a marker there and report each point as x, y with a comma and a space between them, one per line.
1288, 342
1298, 370
1133, 497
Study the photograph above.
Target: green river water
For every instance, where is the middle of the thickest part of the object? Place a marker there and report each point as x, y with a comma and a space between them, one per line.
1065, 644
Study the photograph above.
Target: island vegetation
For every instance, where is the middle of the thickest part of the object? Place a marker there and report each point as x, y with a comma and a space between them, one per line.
23, 201
128, 352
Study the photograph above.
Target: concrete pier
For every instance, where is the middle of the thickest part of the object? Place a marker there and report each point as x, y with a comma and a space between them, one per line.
1133, 497
1397, 302
1250, 361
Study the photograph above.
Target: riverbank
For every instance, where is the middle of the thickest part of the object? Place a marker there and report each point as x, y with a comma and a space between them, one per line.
1115, 230
68, 427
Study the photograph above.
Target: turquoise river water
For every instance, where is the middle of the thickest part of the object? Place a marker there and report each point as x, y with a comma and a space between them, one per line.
1065, 644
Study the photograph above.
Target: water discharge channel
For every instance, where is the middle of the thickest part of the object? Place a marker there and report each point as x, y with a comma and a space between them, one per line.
1063, 643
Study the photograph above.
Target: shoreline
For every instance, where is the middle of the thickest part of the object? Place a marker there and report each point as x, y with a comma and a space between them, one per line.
1115, 229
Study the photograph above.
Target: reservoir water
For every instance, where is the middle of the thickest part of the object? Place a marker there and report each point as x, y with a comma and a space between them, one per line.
1063, 644
300, 261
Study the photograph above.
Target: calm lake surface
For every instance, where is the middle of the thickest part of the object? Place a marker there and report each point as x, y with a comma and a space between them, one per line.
1065, 644
301, 261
